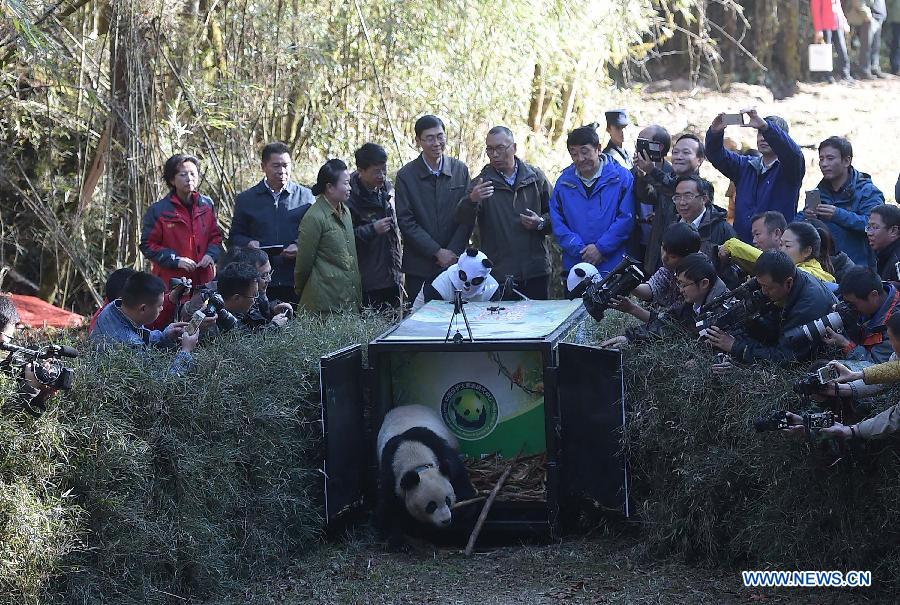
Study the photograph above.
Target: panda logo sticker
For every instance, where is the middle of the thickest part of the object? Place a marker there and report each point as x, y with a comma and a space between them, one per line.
469, 410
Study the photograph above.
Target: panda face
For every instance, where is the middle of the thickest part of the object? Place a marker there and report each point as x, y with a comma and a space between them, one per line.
429, 497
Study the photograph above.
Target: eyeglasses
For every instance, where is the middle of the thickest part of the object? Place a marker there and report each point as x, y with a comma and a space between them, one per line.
267, 276
434, 138
685, 197
498, 150
682, 285
870, 227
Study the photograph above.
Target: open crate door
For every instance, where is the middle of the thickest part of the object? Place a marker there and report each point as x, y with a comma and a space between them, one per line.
343, 425
592, 417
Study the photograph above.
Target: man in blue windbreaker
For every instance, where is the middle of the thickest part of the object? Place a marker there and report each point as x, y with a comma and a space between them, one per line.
591, 205
769, 182
848, 196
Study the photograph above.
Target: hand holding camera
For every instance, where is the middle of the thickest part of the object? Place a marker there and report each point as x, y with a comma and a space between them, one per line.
186, 264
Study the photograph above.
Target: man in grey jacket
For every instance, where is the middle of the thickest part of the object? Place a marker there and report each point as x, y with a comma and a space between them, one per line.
427, 191
510, 201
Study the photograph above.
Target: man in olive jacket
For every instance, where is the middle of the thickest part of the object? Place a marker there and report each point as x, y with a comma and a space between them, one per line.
510, 201
426, 192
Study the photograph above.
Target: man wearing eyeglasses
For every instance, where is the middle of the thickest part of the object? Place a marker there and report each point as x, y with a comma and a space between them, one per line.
509, 199
694, 207
883, 234
427, 191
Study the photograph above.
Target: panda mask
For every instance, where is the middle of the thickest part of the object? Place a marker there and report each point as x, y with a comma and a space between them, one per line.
470, 273
579, 277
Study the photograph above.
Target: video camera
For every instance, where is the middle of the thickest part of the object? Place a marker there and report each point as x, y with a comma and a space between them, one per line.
625, 277
734, 308
843, 319
777, 420
47, 368
180, 282
215, 307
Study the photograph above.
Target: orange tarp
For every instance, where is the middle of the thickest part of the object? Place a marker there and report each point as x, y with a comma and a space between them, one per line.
36, 313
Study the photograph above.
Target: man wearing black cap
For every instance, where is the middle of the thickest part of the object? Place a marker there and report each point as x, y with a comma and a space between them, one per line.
616, 121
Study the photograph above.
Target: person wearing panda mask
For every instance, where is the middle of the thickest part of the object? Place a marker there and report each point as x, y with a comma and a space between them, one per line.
471, 276
579, 278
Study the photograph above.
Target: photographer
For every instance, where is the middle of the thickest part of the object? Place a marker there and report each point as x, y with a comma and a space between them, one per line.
655, 184
698, 282
123, 320
875, 302
32, 395
799, 298
769, 182
800, 241
233, 301
264, 309
661, 290
887, 422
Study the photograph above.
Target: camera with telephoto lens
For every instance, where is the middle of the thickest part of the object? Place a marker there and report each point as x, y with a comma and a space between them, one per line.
777, 420
215, 307
734, 308
625, 277
45, 365
842, 319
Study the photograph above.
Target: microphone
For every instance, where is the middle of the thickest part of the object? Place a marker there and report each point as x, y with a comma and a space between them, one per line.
62, 350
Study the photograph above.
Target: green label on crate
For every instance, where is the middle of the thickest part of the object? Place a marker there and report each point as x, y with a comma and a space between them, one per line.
493, 402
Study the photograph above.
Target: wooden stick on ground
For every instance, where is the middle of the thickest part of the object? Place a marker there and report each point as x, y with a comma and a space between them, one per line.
487, 505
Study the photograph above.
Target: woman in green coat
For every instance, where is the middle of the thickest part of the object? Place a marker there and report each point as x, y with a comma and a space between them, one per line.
326, 274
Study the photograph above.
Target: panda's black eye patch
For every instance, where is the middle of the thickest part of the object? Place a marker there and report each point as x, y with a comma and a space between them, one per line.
477, 281
462, 275
432, 506
448, 500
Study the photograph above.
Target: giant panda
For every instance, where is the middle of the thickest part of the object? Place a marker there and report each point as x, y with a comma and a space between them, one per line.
420, 475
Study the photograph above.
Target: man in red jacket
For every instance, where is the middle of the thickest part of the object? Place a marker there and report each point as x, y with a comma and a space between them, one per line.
179, 234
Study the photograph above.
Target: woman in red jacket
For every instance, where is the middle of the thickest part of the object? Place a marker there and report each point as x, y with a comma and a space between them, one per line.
179, 234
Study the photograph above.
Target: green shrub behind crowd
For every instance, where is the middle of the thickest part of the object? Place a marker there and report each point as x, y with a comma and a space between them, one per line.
175, 487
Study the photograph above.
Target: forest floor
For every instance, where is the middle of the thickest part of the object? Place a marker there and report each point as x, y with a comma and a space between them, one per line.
605, 570
575, 571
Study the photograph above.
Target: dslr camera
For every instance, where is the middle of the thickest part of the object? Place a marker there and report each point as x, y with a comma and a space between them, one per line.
624, 278
777, 420
45, 364
215, 307
734, 308
842, 319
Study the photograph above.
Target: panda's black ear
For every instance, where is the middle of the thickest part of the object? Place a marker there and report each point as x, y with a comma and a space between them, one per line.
409, 480
580, 272
487, 263
471, 252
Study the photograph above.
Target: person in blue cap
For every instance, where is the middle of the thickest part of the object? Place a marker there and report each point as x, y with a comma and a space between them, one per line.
616, 121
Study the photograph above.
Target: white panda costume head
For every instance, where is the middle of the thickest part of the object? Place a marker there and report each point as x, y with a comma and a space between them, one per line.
579, 277
470, 273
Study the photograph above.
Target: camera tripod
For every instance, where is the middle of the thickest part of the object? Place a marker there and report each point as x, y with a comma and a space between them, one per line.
458, 309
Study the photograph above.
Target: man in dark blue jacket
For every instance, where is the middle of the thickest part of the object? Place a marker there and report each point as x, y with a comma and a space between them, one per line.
799, 298
769, 182
591, 205
268, 216
848, 197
